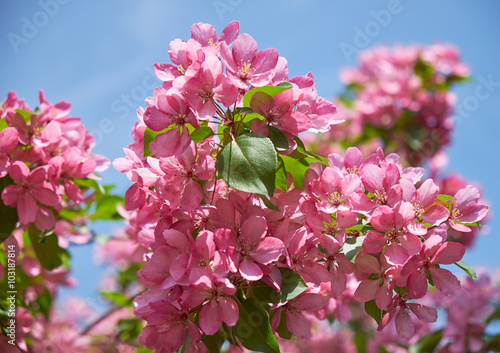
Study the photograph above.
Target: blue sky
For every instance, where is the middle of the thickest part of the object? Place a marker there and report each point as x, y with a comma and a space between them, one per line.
98, 56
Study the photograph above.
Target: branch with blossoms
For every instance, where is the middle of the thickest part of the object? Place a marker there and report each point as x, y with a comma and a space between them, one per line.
49, 192
253, 232
399, 98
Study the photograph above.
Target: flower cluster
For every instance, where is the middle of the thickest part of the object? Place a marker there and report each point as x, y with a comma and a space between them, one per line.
43, 154
399, 98
243, 222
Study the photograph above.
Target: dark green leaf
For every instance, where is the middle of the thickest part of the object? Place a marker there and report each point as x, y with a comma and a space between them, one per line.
495, 316
270, 90
269, 204
282, 330
47, 250
292, 285
281, 178
373, 310
8, 215
44, 303
301, 150
129, 329
214, 342
278, 138
253, 328
467, 268
249, 164
360, 342
428, 343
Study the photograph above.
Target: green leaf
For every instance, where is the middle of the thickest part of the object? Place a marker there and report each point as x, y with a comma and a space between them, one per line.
8, 215
467, 268
249, 164
198, 135
282, 330
117, 298
445, 198
373, 310
213, 342
106, 208
301, 150
3, 124
253, 328
360, 341
269, 204
270, 90
296, 167
427, 343
474, 224
44, 302
292, 285
360, 227
129, 329
281, 178
278, 139
495, 316
25, 114
46, 248
90, 184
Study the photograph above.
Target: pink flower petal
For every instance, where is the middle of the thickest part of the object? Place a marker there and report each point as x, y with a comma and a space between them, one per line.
366, 290
27, 209
171, 143
298, 325
268, 250
423, 312
250, 270
374, 242
449, 253
253, 230
228, 310
417, 284
445, 281
404, 325
210, 320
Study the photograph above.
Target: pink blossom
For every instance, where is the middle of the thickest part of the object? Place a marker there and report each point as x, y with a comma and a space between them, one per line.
205, 286
251, 248
206, 35
29, 189
279, 111
170, 109
247, 66
296, 322
400, 309
433, 253
466, 208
